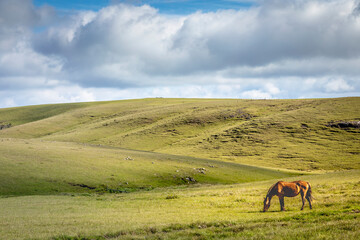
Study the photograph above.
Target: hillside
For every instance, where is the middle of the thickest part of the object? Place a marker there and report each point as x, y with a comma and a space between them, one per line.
178, 169
31, 167
286, 134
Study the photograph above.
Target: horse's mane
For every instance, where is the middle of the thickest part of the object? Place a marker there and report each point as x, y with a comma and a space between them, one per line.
270, 189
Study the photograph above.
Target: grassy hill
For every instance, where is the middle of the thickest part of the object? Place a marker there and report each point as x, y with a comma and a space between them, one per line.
31, 167
287, 134
178, 168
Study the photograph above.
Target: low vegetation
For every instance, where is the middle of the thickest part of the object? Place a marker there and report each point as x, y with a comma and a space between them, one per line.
36, 167
291, 134
206, 212
178, 169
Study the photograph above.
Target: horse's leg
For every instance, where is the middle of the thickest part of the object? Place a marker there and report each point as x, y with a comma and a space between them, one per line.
309, 202
282, 205
303, 199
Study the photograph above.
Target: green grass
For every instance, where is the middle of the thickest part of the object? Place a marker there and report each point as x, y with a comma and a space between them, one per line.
39, 167
178, 169
22, 115
291, 134
205, 212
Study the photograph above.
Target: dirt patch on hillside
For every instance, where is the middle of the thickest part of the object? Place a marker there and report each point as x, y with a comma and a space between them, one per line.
344, 124
4, 125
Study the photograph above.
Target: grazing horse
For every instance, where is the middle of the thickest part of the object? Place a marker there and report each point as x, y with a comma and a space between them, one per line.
288, 189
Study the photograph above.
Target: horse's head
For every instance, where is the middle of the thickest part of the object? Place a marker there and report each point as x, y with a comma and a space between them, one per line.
266, 204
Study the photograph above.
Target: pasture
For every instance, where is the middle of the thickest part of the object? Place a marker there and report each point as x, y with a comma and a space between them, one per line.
197, 212
178, 169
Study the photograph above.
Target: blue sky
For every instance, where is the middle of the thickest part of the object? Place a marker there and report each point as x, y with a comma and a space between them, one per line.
74, 4
59, 51
166, 7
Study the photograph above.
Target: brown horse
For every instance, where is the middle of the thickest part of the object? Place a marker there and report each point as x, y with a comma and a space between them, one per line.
288, 189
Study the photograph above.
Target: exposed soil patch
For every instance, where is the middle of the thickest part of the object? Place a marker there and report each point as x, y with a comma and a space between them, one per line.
238, 114
81, 185
4, 125
345, 124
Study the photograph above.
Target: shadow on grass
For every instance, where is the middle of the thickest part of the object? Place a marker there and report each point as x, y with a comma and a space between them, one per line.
337, 224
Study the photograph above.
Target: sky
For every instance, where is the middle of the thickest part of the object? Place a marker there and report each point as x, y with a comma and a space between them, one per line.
56, 51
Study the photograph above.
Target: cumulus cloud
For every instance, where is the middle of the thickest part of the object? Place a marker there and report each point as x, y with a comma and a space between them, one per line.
276, 48
58, 94
22, 13
20, 65
338, 85
139, 39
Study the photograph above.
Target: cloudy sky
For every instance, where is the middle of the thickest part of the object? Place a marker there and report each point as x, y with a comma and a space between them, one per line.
88, 50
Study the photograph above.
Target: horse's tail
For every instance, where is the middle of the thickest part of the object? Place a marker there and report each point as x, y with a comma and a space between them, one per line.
309, 193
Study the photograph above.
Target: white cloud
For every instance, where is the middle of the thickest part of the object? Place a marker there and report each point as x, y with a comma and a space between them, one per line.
338, 85
256, 94
272, 39
8, 102
59, 94
276, 49
272, 89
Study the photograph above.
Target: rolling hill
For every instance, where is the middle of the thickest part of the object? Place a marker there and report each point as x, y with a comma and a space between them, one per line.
287, 134
31, 167
178, 168
122, 146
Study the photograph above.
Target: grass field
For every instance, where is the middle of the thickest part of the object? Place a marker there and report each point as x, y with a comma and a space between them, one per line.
36, 167
178, 169
198, 212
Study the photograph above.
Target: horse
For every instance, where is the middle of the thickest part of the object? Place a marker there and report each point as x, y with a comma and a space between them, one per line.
289, 189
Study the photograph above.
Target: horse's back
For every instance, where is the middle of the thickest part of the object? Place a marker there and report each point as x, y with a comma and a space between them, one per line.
290, 189
302, 184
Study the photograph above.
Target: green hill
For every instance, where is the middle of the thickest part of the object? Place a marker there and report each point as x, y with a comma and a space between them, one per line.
287, 134
31, 167
190, 168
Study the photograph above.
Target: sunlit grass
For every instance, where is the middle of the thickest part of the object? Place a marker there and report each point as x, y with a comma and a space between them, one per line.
42, 167
208, 211
291, 134
178, 169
